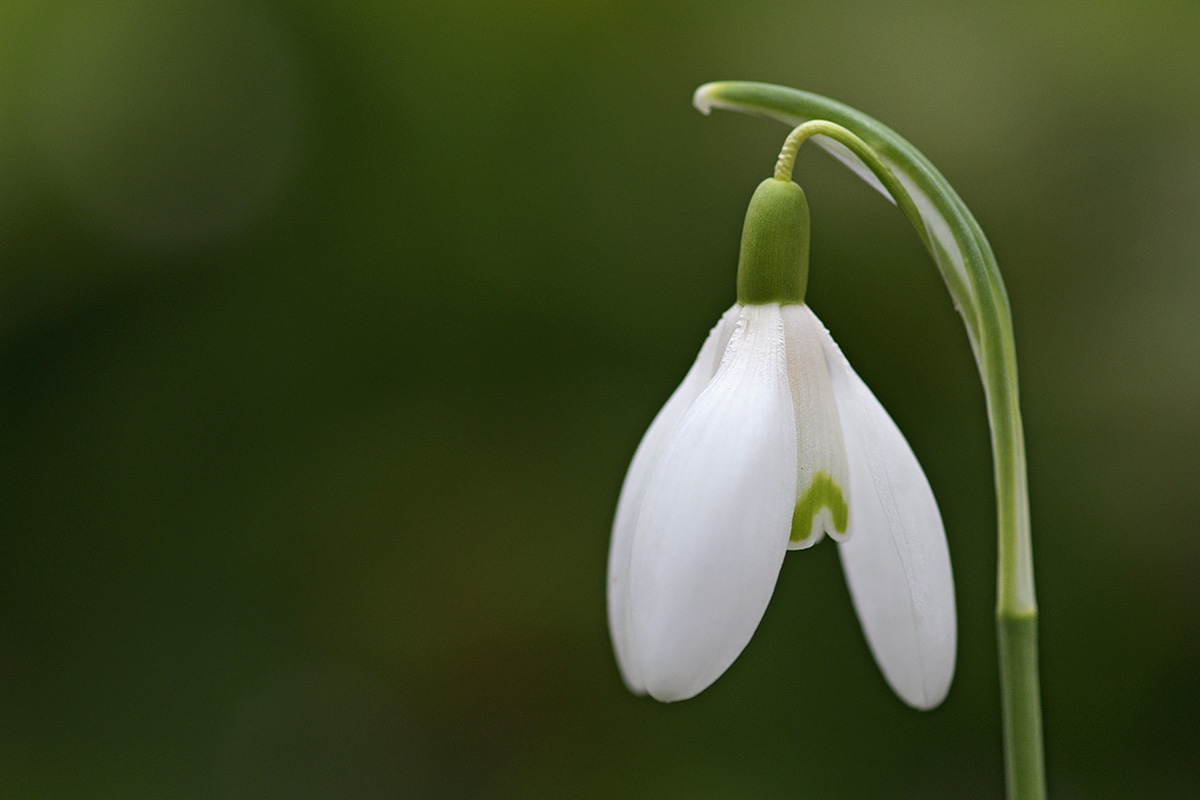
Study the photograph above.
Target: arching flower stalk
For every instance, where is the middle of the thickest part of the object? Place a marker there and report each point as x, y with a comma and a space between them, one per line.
772, 441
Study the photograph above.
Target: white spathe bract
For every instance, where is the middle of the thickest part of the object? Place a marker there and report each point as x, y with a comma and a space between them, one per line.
769, 417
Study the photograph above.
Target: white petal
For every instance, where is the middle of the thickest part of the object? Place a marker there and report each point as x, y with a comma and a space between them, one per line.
713, 528
647, 455
822, 473
896, 560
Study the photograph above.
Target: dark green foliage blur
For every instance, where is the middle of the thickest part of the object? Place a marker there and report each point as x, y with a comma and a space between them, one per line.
327, 330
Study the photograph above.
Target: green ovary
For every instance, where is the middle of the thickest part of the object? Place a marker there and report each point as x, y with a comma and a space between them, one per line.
822, 493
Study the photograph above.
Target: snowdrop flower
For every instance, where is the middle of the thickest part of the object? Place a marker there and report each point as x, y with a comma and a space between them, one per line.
770, 443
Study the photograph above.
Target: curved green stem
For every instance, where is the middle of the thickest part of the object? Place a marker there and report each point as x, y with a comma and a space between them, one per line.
965, 259
862, 151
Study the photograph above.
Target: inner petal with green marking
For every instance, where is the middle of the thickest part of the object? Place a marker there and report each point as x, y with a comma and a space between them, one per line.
823, 493
822, 472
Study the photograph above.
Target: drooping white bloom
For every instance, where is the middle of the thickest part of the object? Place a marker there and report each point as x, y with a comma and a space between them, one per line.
770, 442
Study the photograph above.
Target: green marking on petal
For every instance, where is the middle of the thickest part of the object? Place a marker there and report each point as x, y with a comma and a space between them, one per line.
822, 493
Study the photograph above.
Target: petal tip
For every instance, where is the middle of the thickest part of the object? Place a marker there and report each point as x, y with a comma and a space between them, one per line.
927, 698
667, 694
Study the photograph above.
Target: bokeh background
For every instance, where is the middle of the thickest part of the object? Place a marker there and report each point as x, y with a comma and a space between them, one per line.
327, 331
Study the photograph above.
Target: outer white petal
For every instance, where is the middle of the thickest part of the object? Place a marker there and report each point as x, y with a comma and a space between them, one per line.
896, 560
820, 452
647, 455
713, 528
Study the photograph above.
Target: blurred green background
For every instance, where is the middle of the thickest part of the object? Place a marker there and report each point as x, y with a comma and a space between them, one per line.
327, 331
